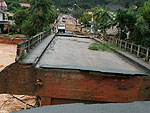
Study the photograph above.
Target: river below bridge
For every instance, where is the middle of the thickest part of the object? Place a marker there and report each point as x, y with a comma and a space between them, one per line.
7, 54
7, 102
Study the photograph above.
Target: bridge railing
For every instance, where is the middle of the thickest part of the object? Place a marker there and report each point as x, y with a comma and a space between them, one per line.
24, 46
137, 50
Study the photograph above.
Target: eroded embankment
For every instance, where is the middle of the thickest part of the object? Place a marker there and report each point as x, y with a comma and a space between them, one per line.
8, 49
11, 40
7, 54
8, 103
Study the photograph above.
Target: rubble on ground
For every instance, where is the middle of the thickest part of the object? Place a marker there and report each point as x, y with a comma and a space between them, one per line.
11, 103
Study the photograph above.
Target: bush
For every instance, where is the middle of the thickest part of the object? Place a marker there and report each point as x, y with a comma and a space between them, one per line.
95, 46
20, 16
13, 29
47, 28
28, 28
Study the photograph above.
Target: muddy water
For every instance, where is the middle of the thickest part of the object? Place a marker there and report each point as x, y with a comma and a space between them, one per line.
7, 54
7, 102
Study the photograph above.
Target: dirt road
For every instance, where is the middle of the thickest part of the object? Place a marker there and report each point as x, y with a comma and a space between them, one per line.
70, 23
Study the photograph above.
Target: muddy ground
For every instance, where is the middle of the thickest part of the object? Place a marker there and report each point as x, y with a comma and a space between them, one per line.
7, 56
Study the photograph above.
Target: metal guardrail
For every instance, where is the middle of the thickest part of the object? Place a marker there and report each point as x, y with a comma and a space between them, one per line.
137, 50
24, 46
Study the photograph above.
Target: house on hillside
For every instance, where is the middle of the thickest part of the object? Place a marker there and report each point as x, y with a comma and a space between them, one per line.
4, 24
3, 5
3, 21
25, 4
117, 7
89, 11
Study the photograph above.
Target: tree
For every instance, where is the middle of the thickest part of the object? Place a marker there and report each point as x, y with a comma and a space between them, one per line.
28, 28
125, 21
37, 18
20, 16
40, 16
77, 14
103, 19
86, 18
121, 20
40, 13
141, 32
53, 15
85, 5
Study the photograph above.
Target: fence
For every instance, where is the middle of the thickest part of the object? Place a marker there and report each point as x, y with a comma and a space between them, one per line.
137, 50
24, 46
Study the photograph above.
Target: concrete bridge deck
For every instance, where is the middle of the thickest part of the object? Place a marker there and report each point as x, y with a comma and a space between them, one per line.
136, 107
72, 52
68, 72
35, 52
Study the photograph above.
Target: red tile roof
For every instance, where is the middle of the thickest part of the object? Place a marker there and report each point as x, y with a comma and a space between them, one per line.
3, 4
25, 4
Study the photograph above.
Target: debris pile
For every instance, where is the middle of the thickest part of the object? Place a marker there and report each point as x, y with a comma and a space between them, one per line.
11, 103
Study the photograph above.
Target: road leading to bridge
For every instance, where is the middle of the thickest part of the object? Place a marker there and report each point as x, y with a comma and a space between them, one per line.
72, 52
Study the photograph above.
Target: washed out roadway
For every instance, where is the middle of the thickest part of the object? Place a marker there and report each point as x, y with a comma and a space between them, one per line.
73, 52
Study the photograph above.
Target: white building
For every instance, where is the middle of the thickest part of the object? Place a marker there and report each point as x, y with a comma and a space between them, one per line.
3, 21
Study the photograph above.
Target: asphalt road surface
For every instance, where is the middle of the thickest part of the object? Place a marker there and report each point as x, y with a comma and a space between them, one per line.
136, 107
72, 51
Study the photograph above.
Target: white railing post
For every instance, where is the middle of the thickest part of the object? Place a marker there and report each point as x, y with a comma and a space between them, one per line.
125, 45
138, 51
131, 49
109, 39
120, 43
147, 55
113, 40
116, 41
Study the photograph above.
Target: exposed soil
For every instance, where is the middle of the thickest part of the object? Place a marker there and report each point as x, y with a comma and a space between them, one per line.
9, 104
8, 48
11, 40
7, 54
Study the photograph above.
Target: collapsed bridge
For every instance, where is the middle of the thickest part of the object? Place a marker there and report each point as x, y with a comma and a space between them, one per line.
61, 69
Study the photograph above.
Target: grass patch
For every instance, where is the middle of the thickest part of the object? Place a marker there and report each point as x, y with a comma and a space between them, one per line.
23, 55
105, 47
114, 46
97, 47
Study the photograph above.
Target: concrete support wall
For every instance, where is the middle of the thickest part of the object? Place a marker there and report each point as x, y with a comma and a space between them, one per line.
57, 86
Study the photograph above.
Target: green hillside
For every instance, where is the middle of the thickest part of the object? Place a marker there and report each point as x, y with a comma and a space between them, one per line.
91, 3
84, 3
